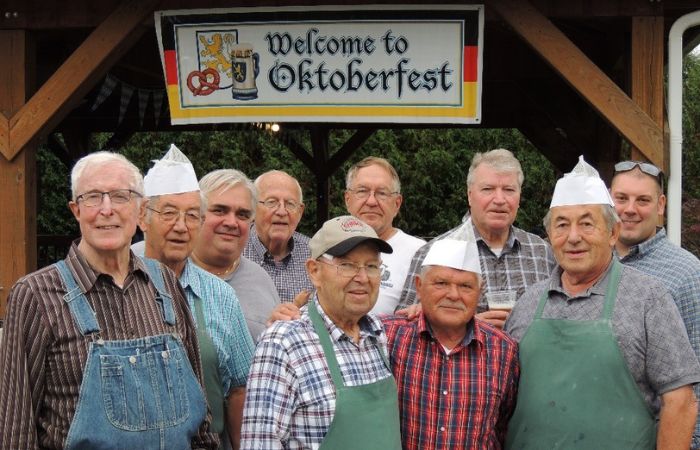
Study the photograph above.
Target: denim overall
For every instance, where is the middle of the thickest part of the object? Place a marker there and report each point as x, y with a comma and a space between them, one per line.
138, 393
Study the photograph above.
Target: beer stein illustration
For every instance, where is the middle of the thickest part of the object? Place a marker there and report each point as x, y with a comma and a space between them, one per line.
245, 66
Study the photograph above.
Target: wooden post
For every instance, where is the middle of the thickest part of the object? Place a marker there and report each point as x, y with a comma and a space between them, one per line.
18, 175
647, 74
319, 145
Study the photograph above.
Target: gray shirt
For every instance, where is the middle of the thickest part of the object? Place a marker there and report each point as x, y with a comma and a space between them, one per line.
646, 324
257, 294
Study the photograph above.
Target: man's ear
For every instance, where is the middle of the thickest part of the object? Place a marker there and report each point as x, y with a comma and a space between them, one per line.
313, 268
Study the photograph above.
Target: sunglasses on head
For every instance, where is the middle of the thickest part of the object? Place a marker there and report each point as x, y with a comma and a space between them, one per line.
647, 168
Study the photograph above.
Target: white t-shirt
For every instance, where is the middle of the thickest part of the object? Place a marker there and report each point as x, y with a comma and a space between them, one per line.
394, 270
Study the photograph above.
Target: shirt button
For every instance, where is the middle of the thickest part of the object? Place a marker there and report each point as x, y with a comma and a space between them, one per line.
132, 359
442, 428
164, 354
444, 392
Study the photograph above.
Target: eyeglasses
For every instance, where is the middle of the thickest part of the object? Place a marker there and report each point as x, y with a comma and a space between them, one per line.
380, 194
349, 270
290, 205
171, 216
117, 196
647, 168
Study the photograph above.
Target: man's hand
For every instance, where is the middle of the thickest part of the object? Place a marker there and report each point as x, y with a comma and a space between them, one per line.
410, 312
289, 311
495, 317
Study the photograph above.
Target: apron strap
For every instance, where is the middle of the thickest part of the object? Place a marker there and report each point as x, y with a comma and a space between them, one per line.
610, 293
155, 273
326, 343
83, 314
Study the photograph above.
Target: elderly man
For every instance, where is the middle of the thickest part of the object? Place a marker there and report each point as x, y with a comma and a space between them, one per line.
603, 350
231, 199
323, 381
373, 194
171, 222
457, 375
274, 243
99, 349
637, 190
511, 259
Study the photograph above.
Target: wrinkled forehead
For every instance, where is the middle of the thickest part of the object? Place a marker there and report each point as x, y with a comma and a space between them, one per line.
184, 200
105, 177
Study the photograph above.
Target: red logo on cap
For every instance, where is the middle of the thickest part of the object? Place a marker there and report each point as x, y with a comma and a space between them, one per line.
352, 225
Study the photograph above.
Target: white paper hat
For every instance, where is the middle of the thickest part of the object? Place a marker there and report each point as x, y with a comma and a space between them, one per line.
582, 186
173, 174
460, 254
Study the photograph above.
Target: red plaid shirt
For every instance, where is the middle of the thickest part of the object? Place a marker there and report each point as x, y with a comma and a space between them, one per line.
458, 401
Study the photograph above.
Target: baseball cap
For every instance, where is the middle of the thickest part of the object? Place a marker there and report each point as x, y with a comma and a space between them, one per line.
340, 235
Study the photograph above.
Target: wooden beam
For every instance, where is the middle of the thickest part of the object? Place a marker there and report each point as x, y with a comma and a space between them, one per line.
78, 74
647, 75
18, 176
583, 75
356, 140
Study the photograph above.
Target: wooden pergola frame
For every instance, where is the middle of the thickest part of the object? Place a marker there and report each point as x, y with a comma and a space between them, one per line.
27, 117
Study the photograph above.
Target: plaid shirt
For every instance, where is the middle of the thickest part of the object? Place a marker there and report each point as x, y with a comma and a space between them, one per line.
526, 259
458, 401
290, 397
224, 321
679, 271
289, 275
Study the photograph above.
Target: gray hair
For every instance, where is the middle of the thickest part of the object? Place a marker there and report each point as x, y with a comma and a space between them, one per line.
227, 179
501, 160
102, 158
279, 172
374, 161
609, 214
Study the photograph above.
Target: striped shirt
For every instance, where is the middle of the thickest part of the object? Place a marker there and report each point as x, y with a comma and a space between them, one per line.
289, 275
43, 353
679, 271
290, 397
225, 323
526, 259
460, 400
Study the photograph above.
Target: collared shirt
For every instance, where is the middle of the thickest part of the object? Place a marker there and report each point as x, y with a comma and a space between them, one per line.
646, 324
43, 354
460, 400
679, 271
526, 259
224, 321
290, 397
289, 275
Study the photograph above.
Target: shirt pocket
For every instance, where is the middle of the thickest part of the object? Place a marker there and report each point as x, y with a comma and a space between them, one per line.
144, 391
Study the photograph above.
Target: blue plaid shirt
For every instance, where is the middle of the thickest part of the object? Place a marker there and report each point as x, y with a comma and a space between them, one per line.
289, 275
225, 323
290, 397
679, 271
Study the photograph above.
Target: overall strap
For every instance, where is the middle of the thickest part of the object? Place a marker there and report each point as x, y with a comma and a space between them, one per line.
80, 309
155, 273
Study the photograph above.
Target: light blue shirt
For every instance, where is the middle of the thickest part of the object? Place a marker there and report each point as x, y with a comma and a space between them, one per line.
225, 323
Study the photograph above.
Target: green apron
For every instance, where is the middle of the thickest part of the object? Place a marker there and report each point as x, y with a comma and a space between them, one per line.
366, 417
575, 389
210, 370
